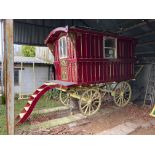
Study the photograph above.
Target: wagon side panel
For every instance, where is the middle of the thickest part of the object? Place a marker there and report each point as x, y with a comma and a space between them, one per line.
92, 67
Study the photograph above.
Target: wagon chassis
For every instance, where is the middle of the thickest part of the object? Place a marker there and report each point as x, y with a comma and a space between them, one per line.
90, 98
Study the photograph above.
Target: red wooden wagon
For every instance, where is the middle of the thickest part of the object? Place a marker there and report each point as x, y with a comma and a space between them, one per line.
89, 65
92, 59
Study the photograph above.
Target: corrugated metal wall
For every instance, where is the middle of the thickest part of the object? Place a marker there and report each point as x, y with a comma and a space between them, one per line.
30, 34
34, 31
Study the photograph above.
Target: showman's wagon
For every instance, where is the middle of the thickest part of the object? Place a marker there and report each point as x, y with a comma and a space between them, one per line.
89, 64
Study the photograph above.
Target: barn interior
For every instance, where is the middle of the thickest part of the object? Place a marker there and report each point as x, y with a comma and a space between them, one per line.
34, 31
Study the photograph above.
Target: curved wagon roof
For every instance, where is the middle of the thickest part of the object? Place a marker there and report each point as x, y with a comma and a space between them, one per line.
60, 31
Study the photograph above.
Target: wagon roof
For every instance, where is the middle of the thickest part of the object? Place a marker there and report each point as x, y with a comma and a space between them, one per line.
55, 34
92, 30
58, 32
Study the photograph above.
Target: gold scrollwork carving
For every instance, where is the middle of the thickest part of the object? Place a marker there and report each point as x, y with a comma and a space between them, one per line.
64, 66
63, 63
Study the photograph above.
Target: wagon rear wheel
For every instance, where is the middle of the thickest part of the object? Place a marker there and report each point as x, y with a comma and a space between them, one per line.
65, 97
122, 94
90, 102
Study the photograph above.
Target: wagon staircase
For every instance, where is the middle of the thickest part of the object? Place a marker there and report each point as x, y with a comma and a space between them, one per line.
32, 101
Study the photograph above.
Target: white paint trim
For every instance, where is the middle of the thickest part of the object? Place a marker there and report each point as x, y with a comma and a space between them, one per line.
115, 48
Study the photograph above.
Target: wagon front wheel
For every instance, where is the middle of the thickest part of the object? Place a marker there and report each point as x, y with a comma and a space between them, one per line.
90, 102
122, 94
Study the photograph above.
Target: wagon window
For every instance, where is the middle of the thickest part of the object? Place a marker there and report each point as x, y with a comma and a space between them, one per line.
110, 48
63, 47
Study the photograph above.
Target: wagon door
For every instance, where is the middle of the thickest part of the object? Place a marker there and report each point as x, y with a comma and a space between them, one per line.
63, 58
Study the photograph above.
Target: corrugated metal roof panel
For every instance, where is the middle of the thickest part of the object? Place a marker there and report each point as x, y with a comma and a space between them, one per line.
30, 34
35, 31
19, 59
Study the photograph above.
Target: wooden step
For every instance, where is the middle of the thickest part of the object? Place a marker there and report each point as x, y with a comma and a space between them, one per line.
39, 89
21, 115
34, 96
49, 83
26, 108
29, 102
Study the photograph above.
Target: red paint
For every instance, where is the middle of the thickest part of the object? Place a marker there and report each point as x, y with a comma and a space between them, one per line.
34, 102
86, 62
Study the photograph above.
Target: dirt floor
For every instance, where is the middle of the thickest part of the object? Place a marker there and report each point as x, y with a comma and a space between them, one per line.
97, 123
143, 131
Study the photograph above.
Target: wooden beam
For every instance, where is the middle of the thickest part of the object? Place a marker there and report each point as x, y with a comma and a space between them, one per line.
146, 43
136, 25
144, 34
83, 22
9, 74
1, 50
123, 24
144, 52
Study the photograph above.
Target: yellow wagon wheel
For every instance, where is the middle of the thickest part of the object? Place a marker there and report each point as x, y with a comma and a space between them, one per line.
90, 102
65, 97
122, 94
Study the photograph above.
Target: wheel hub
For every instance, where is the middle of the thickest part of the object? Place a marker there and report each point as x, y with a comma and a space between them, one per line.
122, 94
89, 102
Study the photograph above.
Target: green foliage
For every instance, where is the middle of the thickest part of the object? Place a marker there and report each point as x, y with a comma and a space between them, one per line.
28, 51
19, 104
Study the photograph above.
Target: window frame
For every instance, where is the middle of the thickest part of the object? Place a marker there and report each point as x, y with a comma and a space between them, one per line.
61, 52
16, 83
115, 48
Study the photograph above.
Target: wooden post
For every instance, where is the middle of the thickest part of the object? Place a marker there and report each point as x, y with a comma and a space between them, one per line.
9, 74
34, 78
21, 76
1, 56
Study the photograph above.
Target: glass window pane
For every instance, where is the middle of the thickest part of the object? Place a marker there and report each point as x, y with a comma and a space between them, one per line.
110, 43
16, 77
109, 53
110, 48
63, 47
